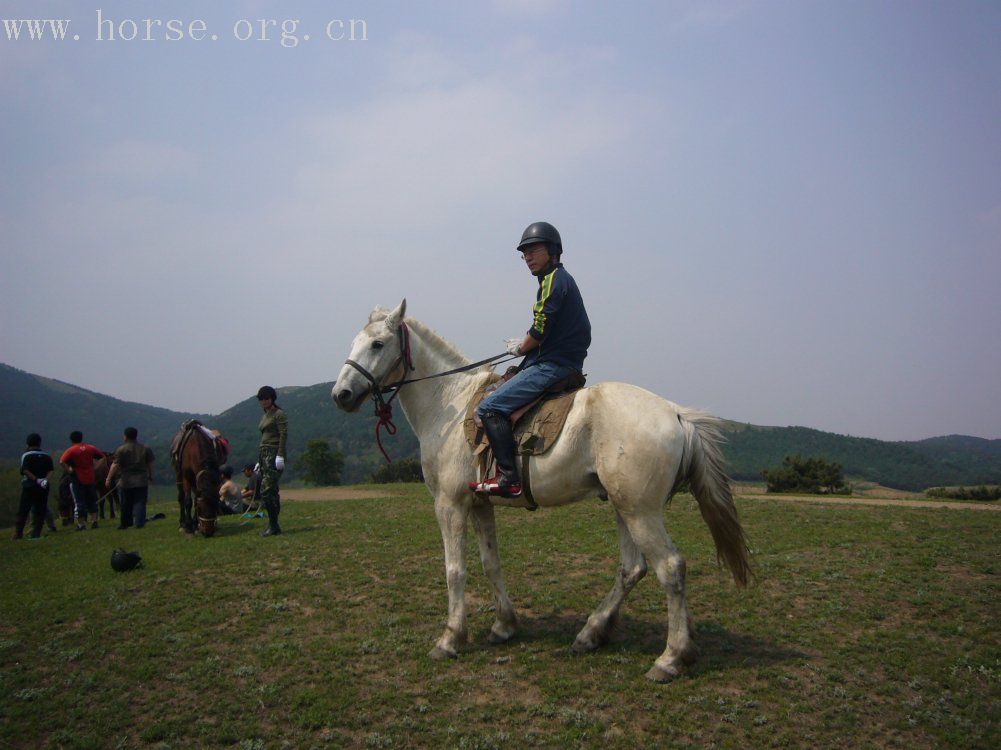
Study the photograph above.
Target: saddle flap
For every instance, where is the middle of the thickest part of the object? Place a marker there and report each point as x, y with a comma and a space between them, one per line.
537, 425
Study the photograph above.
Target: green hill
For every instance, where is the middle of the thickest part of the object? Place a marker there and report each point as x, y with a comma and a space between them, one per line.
54, 408
950, 460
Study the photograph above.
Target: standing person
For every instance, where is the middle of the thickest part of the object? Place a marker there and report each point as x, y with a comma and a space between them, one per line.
271, 454
134, 461
36, 466
78, 461
554, 347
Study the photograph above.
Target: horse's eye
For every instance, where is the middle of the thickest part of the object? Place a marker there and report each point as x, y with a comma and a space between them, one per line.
377, 344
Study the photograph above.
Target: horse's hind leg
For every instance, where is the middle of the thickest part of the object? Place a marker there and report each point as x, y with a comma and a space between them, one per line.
506, 623
632, 567
651, 537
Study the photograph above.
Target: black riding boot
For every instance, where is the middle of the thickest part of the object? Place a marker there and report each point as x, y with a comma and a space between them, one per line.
274, 508
501, 437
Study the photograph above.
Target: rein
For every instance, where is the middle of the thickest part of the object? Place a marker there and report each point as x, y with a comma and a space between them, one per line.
384, 408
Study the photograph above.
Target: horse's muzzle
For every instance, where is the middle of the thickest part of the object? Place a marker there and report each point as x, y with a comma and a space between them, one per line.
347, 399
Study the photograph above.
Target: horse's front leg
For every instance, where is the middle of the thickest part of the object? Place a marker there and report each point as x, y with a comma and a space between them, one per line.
506, 623
184, 503
452, 516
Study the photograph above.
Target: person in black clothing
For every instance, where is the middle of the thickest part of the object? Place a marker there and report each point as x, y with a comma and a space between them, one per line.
554, 348
36, 466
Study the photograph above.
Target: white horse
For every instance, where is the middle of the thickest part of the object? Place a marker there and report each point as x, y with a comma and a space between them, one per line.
620, 443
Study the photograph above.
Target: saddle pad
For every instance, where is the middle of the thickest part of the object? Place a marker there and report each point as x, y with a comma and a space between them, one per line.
535, 432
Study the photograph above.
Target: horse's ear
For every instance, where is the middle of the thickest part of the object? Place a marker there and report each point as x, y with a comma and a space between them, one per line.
378, 313
394, 318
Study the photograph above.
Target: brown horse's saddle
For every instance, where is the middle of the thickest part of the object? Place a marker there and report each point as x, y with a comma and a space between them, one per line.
219, 443
536, 425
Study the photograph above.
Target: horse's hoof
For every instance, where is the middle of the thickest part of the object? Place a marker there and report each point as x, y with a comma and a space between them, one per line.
584, 646
440, 654
495, 639
660, 674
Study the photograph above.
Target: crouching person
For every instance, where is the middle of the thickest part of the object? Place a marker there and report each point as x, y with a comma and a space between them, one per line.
230, 496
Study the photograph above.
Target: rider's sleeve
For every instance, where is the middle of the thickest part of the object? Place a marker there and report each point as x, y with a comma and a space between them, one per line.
552, 292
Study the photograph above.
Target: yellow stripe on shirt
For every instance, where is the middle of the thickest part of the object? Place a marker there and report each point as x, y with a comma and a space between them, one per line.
539, 317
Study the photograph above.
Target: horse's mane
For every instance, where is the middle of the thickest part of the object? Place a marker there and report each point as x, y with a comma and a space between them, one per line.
440, 347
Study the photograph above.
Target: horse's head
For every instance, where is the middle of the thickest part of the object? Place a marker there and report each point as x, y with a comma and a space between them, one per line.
207, 493
375, 360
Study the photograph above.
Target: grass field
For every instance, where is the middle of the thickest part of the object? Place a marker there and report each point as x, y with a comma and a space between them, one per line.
865, 627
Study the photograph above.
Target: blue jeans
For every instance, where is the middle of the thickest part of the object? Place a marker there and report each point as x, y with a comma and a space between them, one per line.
523, 388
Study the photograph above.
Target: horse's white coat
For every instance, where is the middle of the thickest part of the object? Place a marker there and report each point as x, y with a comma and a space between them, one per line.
619, 441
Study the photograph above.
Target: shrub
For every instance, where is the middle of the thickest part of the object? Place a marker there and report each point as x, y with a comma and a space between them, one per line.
983, 492
799, 474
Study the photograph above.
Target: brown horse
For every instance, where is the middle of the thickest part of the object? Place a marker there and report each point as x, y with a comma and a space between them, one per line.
110, 495
196, 465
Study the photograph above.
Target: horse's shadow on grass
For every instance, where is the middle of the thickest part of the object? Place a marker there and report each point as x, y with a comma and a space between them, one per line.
720, 650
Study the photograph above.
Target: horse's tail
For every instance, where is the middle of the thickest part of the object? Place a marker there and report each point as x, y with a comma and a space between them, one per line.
703, 469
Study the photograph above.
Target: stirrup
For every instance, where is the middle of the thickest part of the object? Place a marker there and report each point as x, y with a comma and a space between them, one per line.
493, 486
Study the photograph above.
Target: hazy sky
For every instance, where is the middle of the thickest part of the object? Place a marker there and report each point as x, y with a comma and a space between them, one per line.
786, 213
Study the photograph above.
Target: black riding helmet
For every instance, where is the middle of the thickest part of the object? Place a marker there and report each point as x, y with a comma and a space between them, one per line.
542, 231
122, 560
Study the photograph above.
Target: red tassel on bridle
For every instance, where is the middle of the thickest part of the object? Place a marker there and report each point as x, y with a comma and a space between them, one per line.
384, 413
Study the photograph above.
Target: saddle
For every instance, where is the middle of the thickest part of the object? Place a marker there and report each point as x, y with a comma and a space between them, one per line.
536, 426
218, 442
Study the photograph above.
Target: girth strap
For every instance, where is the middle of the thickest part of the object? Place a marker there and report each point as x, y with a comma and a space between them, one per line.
526, 484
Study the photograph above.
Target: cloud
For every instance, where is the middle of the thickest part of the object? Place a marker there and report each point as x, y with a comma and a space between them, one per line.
711, 13
424, 150
530, 8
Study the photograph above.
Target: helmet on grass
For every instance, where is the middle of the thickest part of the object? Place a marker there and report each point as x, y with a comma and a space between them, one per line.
122, 560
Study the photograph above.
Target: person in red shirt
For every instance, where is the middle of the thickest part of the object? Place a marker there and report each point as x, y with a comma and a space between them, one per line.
78, 461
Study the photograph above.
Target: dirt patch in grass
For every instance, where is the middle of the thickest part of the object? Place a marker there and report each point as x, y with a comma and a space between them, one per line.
900, 503
314, 494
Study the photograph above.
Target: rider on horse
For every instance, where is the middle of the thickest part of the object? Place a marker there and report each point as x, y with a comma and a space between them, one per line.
554, 347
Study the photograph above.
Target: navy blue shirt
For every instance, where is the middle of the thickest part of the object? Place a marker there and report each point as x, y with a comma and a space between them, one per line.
38, 463
559, 322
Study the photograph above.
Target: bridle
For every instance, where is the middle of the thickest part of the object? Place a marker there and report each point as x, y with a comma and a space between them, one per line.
384, 407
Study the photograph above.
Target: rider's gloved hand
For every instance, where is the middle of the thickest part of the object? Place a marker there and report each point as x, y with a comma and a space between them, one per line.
513, 346
43, 483
280, 463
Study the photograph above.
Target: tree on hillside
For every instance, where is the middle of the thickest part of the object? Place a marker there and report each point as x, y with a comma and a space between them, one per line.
799, 474
320, 466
